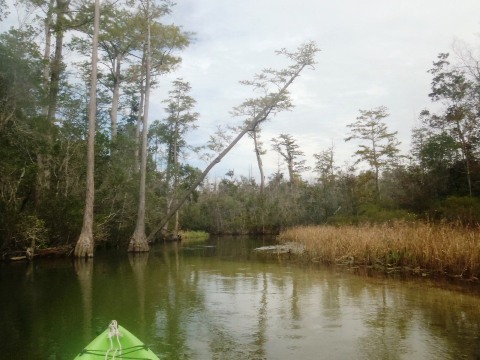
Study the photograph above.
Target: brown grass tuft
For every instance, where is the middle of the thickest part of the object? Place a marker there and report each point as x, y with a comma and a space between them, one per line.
419, 247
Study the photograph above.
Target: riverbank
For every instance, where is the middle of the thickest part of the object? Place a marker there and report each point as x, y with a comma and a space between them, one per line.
419, 248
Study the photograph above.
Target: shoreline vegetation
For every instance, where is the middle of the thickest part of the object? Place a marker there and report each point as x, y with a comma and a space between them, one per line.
193, 236
417, 248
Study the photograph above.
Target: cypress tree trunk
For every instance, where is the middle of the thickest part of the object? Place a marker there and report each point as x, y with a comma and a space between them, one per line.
85, 244
138, 241
139, 116
48, 44
56, 64
116, 96
51, 79
259, 161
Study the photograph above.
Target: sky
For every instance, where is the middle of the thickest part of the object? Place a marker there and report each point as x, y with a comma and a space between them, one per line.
373, 53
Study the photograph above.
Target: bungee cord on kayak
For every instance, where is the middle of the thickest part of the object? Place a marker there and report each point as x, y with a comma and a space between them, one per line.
114, 332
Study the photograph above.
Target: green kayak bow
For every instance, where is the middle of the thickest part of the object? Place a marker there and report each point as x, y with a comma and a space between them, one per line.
116, 342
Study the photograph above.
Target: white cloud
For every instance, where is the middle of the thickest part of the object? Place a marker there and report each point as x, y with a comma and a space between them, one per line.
373, 53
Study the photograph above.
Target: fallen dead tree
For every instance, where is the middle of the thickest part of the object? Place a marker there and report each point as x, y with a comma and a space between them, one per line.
28, 254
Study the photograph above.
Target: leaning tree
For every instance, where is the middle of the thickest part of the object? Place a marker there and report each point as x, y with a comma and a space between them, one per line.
274, 86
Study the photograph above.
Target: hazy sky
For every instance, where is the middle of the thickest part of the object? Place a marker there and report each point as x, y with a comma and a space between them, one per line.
374, 52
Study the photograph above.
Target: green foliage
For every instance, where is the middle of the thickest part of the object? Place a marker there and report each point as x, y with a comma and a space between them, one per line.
439, 151
31, 231
462, 209
456, 87
20, 76
373, 214
3, 12
22, 135
194, 236
376, 214
290, 151
378, 147
227, 210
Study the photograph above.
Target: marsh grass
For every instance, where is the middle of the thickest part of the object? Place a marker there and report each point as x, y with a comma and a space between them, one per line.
421, 248
194, 236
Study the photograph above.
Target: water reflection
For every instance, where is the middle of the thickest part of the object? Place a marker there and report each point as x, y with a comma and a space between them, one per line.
84, 271
260, 336
217, 301
261, 310
138, 262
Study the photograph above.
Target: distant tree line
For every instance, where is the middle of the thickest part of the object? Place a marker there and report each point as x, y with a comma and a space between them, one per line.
439, 180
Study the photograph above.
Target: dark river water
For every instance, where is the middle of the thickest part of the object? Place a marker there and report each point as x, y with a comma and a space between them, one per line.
218, 300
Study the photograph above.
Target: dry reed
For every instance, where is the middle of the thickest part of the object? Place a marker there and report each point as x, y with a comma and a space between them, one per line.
418, 247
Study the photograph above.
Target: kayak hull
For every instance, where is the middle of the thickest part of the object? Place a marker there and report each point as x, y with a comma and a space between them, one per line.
126, 346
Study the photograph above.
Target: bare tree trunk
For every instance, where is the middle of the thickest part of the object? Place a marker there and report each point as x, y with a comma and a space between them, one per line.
85, 245
138, 241
168, 178
466, 157
172, 175
259, 161
177, 224
51, 74
140, 115
291, 174
175, 180
115, 97
47, 50
56, 64
67, 169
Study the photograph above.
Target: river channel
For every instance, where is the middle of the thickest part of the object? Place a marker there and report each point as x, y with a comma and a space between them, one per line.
220, 300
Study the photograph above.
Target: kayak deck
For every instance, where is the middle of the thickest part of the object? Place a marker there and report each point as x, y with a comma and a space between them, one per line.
124, 346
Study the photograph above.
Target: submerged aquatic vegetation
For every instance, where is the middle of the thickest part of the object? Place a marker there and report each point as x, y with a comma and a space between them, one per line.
418, 247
